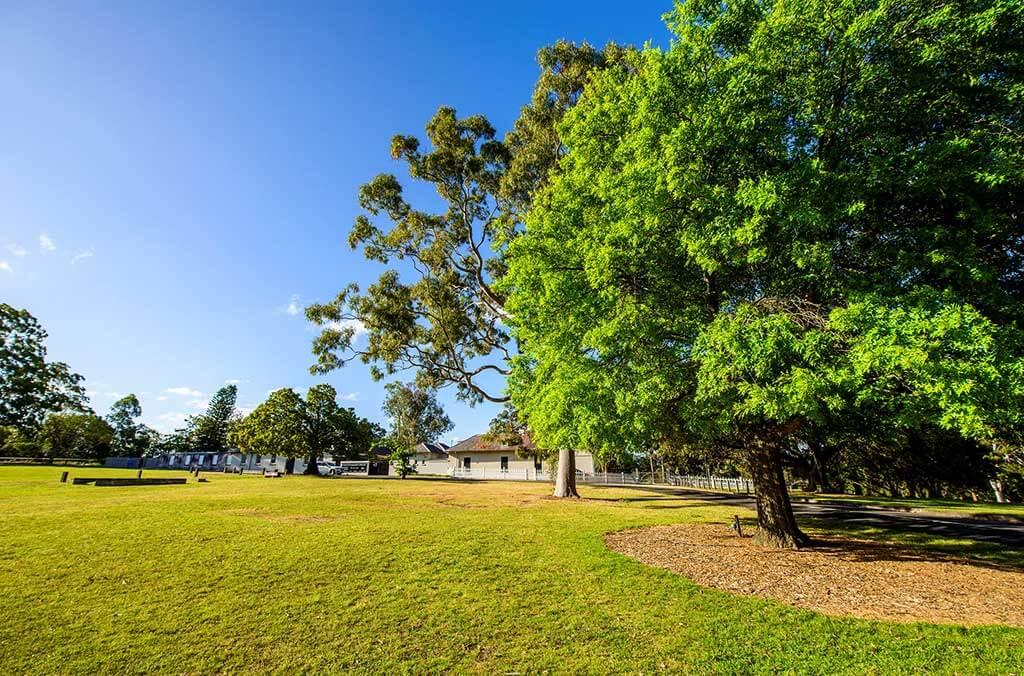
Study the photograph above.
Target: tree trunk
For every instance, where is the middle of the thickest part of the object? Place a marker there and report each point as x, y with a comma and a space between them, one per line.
775, 519
311, 467
565, 477
289, 466
997, 488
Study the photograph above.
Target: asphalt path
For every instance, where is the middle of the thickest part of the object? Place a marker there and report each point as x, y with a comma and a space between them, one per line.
943, 525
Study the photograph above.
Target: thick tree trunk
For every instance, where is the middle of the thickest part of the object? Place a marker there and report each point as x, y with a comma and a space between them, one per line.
565, 475
289, 466
311, 467
775, 519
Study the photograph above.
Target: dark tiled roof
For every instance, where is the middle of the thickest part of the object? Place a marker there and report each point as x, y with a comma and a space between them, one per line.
437, 447
480, 442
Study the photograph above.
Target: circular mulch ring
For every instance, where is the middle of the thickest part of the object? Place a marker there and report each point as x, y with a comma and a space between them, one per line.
836, 576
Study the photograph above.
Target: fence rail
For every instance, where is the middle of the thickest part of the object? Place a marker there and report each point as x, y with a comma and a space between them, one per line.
85, 462
658, 478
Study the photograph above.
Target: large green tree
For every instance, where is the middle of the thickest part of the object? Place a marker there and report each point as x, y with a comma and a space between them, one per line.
414, 415
440, 315
312, 428
75, 435
272, 428
131, 439
797, 211
31, 386
209, 431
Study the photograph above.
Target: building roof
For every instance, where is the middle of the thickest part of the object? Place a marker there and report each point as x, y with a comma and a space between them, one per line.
482, 443
435, 447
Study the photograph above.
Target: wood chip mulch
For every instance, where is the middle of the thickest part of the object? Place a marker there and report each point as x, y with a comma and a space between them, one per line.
835, 576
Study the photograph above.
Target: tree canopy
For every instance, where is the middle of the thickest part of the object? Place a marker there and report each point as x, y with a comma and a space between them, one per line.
30, 385
288, 426
442, 316
75, 435
414, 415
800, 211
208, 432
130, 439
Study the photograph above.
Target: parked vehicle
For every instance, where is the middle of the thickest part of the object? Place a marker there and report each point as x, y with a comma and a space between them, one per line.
327, 468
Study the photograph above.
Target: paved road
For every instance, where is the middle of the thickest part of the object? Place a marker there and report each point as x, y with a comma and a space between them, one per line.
1008, 534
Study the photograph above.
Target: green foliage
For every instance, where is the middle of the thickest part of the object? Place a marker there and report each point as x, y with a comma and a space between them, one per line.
414, 415
130, 439
445, 320
30, 386
286, 425
799, 212
273, 428
445, 324
75, 435
209, 432
400, 456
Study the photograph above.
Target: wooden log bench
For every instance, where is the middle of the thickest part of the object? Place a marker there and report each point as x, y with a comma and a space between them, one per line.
126, 481
272, 473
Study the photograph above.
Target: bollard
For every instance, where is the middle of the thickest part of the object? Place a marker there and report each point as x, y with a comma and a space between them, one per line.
64, 477
139, 476
736, 525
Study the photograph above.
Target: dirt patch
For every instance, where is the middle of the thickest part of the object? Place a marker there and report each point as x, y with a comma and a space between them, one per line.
837, 576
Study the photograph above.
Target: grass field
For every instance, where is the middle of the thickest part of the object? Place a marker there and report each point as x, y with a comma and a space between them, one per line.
303, 575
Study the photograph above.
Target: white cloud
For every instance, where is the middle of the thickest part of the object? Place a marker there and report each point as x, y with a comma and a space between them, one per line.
161, 398
232, 381
168, 422
5, 267
184, 392
17, 250
87, 253
198, 404
293, 307
358, 328
351, 396
46, 244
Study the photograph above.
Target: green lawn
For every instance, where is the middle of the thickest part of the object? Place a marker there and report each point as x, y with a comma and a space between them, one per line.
304, 575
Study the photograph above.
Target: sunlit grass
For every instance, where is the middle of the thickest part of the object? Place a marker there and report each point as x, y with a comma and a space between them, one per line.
304, 575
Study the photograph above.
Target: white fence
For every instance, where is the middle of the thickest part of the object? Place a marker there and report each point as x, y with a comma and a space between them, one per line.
658, 478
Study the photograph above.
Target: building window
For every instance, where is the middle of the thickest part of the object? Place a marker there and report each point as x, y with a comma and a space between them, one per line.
466, 462
504, 463
536, 464
273, 458
258, 457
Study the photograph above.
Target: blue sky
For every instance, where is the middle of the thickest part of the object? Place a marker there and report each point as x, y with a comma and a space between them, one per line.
176, 177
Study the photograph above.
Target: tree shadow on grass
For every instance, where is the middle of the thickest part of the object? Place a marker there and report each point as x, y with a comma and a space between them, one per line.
875, 543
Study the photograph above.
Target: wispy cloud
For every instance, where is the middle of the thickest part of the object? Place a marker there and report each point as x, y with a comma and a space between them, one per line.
46, 244
161, 398
86, 253
232, 381
358, 328
351, 396
17, 250
168, 422
5, 267
197, 404
184, 392
292, 308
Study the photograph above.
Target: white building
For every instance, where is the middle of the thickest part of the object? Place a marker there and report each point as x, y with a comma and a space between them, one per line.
480, 457
432, 458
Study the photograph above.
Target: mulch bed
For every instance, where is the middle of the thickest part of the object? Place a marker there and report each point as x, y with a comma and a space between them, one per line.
836, 576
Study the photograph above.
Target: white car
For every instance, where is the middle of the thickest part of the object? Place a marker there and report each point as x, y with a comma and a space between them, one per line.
327, 468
